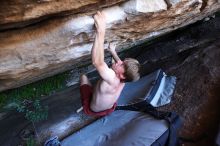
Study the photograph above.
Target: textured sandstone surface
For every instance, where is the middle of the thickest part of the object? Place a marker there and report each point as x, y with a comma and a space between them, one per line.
18, 13
55, 45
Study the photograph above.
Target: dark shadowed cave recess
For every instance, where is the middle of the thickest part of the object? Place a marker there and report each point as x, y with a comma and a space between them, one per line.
192, 54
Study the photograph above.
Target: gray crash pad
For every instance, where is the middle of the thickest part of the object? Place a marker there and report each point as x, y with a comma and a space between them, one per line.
155, 88
121, 128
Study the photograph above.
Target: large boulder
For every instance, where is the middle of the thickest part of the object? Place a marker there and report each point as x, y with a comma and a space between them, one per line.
56, 44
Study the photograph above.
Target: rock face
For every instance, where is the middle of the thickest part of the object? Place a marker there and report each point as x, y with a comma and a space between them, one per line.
18, 13
57, 44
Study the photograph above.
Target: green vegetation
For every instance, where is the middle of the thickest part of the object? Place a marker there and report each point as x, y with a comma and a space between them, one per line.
26, 100
32, 110
34, 90
31, 142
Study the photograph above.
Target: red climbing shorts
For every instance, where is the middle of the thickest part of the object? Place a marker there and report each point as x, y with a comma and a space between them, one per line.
86, 92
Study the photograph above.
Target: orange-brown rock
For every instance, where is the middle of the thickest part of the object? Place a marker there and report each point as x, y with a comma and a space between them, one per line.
52, 46
19, 13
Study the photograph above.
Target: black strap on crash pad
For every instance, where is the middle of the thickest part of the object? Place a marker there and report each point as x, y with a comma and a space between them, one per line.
172, 118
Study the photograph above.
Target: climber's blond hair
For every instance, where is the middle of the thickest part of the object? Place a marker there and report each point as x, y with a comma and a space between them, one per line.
132, 69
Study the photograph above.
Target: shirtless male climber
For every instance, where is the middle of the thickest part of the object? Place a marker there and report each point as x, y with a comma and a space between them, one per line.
101, 100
